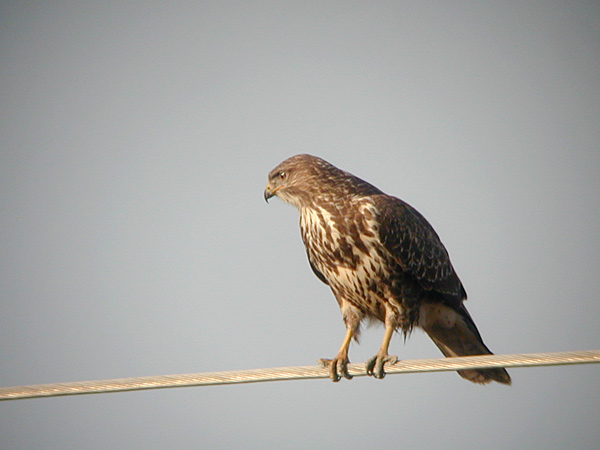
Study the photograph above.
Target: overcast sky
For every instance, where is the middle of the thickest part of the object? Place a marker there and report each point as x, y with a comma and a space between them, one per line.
135, 142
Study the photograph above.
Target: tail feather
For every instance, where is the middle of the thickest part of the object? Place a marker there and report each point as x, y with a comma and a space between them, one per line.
455, 334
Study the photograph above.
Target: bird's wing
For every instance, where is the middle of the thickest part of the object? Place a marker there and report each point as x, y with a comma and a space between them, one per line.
316, 271
416, 247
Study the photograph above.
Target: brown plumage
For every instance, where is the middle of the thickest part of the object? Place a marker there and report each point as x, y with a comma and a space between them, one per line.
382, 260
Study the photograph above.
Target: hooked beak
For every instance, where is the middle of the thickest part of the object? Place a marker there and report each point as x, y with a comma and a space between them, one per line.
268, 193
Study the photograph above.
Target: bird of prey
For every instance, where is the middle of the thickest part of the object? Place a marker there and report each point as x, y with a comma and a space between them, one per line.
382, 260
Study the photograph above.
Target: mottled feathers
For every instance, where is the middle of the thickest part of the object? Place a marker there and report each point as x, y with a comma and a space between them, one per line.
382, 260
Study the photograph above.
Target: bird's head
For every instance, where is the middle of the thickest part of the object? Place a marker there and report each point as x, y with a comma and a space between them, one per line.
294, 179
277, 182
303, 179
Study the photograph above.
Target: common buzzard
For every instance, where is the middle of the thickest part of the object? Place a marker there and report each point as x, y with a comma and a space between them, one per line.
382, 260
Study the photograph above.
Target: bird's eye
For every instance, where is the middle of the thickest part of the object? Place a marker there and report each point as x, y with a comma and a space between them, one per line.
283, 175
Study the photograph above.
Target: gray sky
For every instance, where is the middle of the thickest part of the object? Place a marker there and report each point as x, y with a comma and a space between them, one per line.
136, 138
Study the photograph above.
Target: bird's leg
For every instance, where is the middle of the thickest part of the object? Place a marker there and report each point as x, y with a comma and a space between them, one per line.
375, 364
339, 365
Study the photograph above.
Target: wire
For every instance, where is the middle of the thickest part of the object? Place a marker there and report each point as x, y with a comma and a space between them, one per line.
292, 373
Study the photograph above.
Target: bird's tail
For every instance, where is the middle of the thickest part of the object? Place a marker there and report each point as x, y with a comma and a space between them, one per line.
455, 334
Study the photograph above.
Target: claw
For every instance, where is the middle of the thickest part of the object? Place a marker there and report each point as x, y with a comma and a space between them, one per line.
375, 364
338, 367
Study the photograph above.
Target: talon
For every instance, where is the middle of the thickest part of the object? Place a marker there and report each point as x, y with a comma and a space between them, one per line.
370, 364
344, 370
338, 368
374, 365
333, 373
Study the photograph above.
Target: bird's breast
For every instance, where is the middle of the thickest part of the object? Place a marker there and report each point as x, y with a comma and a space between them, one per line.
343, 245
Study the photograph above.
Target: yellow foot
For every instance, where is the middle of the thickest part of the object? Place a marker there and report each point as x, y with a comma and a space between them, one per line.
375, 364
338, 367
